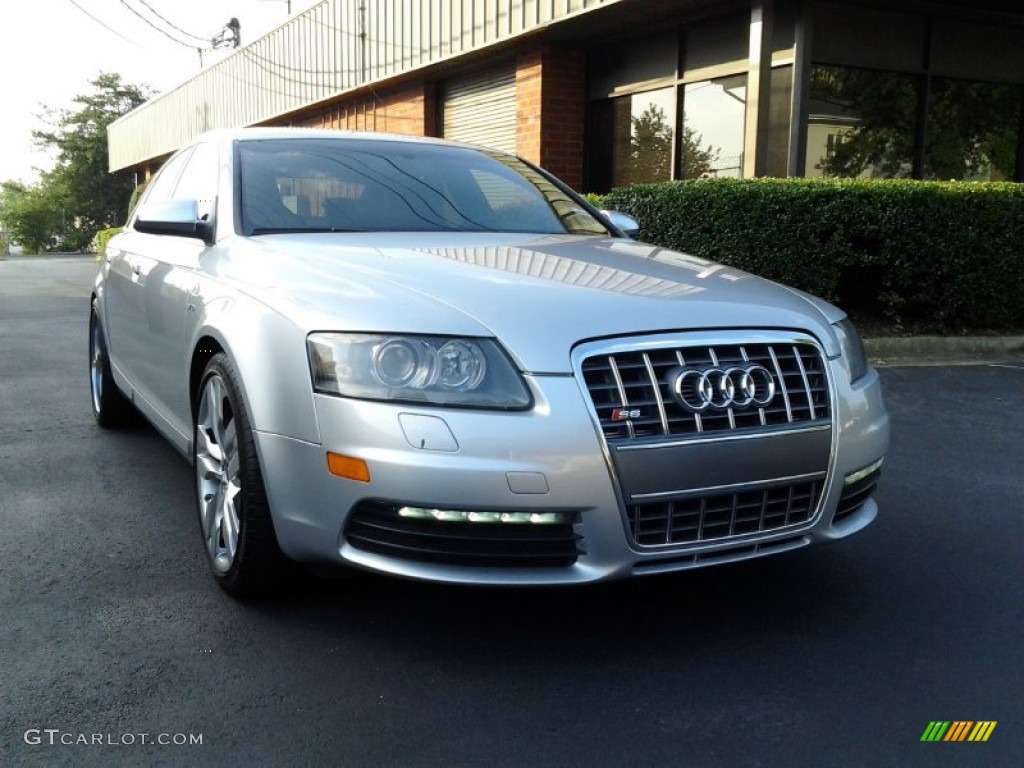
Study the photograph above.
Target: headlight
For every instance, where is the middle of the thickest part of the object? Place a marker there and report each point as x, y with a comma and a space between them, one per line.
852, 348
440, 370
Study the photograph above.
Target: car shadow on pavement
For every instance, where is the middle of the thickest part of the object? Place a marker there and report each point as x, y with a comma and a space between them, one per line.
671, 614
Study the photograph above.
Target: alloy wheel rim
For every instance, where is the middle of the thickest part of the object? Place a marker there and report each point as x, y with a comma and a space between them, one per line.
96, 365
218, 474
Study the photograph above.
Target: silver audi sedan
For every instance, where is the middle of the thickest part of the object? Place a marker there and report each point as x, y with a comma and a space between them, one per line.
437, 361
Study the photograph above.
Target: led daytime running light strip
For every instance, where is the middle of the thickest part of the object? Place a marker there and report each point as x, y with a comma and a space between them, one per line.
459, 516
855, 477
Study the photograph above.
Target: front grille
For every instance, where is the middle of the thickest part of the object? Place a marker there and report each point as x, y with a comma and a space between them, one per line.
377, 527
721, 516
642, 381
721, 555
854, 496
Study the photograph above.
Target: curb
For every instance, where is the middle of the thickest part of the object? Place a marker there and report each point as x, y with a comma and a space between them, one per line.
926, 350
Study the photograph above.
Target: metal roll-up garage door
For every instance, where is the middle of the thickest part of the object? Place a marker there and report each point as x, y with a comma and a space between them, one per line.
481, 108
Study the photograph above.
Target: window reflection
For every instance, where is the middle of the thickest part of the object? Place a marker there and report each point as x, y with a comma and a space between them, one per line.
642, 137
712, 140
972, 131
338, 185
864, 123
861, 123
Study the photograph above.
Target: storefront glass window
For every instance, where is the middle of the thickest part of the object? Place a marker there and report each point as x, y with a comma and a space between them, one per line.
641, 137
861, 123
711, 143
973, 131
865, 123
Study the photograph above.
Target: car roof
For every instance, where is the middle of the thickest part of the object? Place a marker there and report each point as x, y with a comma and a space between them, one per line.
275, 133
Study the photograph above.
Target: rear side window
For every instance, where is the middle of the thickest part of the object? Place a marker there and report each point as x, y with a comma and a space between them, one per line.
163, 183
198, 181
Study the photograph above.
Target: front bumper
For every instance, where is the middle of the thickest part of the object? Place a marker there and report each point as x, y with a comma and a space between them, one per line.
549, 459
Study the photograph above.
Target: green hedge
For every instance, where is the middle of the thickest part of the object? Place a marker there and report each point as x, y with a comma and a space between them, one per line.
925, 256
103, 237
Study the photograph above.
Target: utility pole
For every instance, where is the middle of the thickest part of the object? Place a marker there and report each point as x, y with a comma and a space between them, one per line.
289, 5
362, 42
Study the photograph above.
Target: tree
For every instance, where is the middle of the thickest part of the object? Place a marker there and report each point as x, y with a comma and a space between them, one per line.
92, 198
697, 161
971, 128
884, 108
650, 145
31, 216
650, 150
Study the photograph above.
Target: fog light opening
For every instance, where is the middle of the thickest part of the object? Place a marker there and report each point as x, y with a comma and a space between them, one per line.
508, 518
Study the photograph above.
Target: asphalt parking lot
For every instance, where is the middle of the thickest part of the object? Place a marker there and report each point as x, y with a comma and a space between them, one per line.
836, 656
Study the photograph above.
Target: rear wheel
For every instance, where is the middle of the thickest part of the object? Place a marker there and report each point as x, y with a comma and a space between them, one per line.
110, 408
234, 515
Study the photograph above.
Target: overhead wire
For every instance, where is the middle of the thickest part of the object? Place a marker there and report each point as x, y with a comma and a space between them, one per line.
327, 84
278, 69
326, 80
171, 24
411, 48
217, 71
102, 24
258, 61
162, 31
282, 67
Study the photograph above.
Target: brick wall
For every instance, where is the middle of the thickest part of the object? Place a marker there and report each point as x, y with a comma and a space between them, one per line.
529, 104
550, 100
411, 110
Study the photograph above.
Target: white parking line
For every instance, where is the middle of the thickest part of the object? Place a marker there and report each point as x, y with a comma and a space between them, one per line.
1012, 367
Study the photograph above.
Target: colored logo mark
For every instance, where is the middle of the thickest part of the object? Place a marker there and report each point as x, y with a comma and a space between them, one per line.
958, 730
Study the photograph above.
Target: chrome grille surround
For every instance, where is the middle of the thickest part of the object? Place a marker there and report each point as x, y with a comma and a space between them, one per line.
641, 379
762, 499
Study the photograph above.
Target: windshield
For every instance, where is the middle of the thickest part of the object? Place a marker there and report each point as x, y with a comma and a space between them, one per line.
364, 185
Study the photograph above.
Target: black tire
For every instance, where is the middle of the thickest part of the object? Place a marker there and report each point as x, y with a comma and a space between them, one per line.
231, 501
110, 407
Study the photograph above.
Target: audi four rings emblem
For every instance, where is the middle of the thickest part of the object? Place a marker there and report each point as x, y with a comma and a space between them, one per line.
697, 390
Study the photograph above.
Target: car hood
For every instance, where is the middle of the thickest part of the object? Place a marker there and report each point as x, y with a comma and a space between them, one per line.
540, 295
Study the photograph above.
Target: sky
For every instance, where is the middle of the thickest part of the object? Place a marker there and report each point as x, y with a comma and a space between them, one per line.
50, 50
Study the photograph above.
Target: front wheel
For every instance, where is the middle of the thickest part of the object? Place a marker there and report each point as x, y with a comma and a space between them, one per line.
110, 407
234, 514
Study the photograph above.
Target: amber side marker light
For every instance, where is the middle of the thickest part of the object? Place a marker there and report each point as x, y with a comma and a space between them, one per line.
348, 467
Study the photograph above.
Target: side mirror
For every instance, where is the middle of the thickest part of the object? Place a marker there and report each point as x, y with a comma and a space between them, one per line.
627, 225
173, 217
